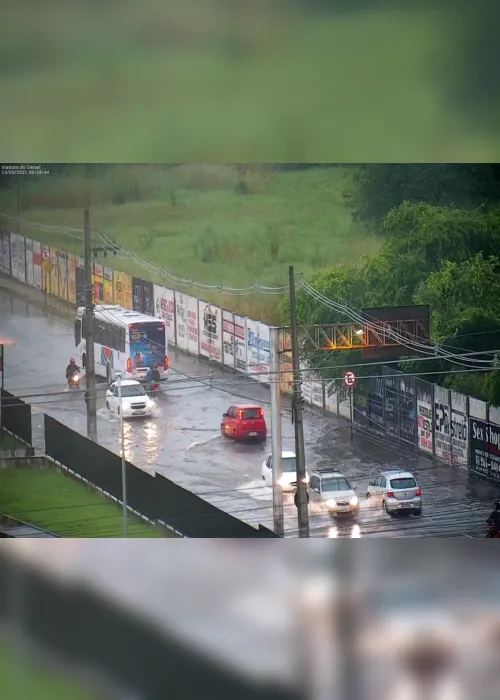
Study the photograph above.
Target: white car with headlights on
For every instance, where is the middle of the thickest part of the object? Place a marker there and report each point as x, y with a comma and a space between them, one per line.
334, 492
288, 481
134, 400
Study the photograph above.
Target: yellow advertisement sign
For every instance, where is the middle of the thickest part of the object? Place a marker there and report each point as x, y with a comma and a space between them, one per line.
127, 292
108, 285
63, 274
118, 287
54, 272
98, 283
72, 278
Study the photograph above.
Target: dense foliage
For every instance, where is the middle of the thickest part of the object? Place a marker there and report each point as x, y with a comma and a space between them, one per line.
441, 228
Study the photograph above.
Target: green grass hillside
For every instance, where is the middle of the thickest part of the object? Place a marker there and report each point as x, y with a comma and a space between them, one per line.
235, 226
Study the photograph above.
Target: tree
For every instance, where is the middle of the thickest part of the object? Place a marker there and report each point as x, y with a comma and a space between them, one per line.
383, 187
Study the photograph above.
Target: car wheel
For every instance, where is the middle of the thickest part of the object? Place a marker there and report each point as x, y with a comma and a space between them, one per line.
234, 434
418, 512
118, 410
387, 512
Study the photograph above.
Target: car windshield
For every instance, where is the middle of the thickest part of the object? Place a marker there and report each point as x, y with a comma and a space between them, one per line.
133, 390
288, 464
250, 413
336, 484
408, 483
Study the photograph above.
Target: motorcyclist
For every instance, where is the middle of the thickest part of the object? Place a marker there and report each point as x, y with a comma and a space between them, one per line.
494, 519
71, 370
153, 375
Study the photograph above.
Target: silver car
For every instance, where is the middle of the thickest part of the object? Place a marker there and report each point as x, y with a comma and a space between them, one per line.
397, 492
334, 492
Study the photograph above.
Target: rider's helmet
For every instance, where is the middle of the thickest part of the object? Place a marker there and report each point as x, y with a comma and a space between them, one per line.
71, 360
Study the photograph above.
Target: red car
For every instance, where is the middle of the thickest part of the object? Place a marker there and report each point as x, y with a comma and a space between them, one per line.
244, 421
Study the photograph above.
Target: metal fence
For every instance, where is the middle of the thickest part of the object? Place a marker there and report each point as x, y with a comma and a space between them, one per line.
131, 653
15, 417
153, 496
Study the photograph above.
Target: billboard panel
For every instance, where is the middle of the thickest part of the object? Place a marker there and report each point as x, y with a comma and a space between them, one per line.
407, 403
485, 448
210, 331
62, 265
108, 297
391, 402
459, 429
228, 339
80, 281
71, 262
164, 300
118, 291
30, 278
128, 298
193, 343
317, 398
54, 272
148, 299
21, 259
13, 256
138, 294
181, 320
264, 353
286, 376
425, 418
98, 282
442, 424
252, 340
376, 403
6, 253
37, 264
240, 343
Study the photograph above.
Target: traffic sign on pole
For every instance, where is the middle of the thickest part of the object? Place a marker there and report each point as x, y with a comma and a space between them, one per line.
45, 254
350, 379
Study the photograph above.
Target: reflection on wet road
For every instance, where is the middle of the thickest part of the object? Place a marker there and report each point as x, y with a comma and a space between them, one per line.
182, 441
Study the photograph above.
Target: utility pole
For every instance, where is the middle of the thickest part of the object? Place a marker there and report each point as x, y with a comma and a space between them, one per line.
347, 621
124, 466
276, 432
89, 342
302, 495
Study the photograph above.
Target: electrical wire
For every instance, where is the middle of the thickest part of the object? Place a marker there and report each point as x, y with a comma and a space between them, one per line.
123, 254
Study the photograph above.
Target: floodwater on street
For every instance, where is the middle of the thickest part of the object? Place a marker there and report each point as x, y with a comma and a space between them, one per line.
183, 442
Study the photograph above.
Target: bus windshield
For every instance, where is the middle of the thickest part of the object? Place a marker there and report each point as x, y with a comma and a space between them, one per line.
147, 343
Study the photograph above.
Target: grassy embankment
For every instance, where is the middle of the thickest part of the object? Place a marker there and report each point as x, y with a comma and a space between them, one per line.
63, 506
215, 224
23, 677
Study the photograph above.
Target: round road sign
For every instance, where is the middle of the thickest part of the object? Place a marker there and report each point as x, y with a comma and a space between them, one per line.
46, 254
350, 379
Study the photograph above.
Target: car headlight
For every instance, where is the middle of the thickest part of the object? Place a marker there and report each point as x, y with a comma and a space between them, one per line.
331, 503
354, 501
150, 403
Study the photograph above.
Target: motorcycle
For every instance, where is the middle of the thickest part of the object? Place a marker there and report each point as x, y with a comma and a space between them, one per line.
492, 532
153, 389
74, 381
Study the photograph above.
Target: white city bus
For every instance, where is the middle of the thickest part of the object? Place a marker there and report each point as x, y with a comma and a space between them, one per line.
124, 341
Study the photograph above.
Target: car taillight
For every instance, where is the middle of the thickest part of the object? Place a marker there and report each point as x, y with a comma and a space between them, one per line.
129, 365
390, 494
419, 492
165, 362
241, 414
261, 413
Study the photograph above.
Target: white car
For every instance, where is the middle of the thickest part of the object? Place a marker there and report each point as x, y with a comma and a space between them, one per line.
288, 481
135, 401
333, 491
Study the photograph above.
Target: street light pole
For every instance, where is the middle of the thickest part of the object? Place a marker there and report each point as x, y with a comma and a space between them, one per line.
89, 341
124, 466
277, 471
302, 500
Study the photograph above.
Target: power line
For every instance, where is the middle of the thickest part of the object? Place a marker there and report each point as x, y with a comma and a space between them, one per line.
150, 267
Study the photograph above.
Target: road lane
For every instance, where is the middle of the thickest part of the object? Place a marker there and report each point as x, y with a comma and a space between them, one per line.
183, 441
